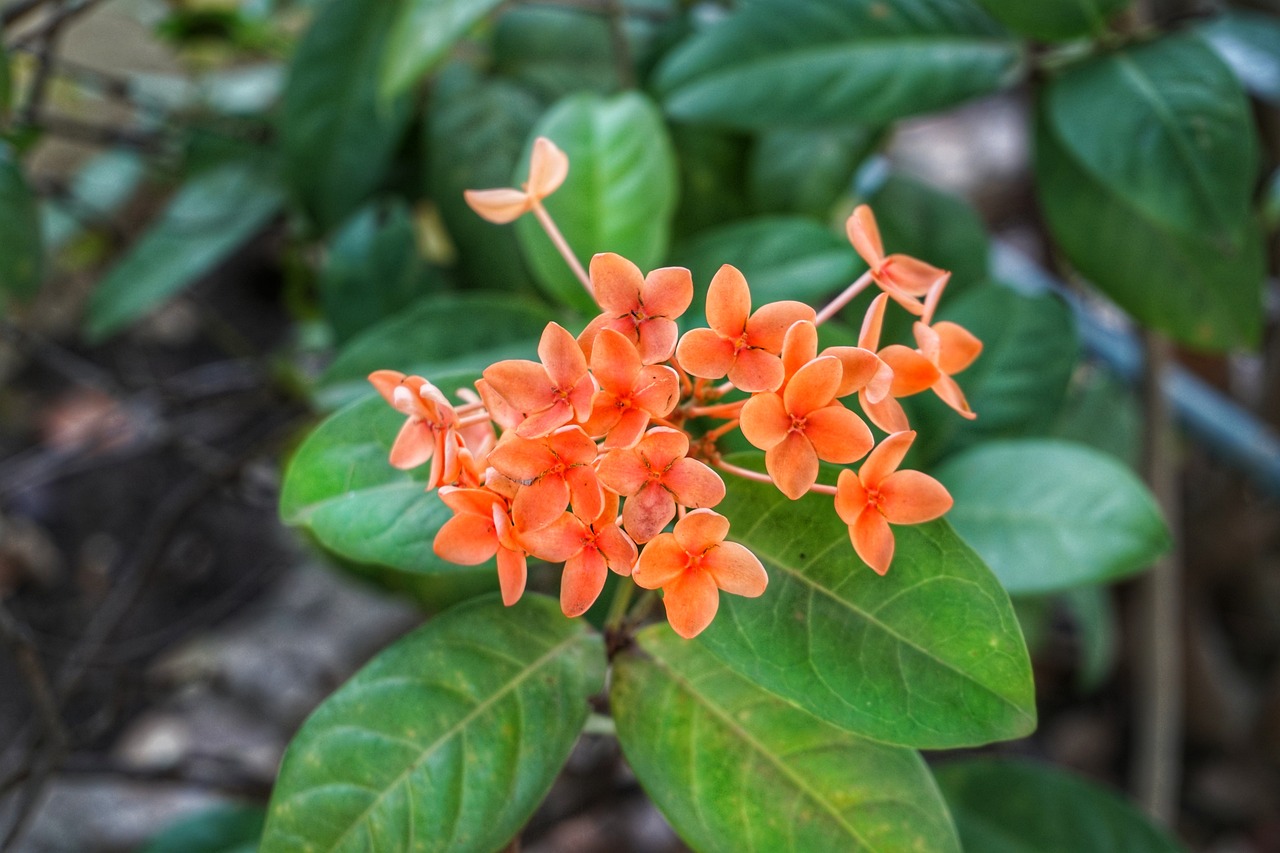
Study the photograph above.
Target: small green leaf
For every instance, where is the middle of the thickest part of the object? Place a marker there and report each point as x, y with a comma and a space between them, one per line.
1094, 615
336, 135
210, 216
447, 740
736, 768
1055, 20
928, 656
807, 171
1249, 43
1041, 809
620, 195
222, 829
836, 63
1049, 515
20, 235
422, 34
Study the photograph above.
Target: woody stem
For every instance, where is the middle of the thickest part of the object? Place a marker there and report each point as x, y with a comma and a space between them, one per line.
562, 245
844, 298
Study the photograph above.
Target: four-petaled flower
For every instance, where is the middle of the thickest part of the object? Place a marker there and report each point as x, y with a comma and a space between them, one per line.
548, 167
950, 348
630, 394
551, 394
692, 564
430, 433
588, 551
912, 372
552, 471
643, 308
903, 277
480, 528
654, 476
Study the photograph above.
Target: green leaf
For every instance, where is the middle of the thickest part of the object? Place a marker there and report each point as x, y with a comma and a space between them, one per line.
1048, 515
529, 46
210, 216
422, 34
1055, 20
713, 167
221, 829
736, 768
1041, 809
337, 136
447, 740
1102, 412
21, 256
836, 63
1094, 615
1249, 43
1166, 127
373, 270
620, 195
928, 656
1200, 291
6, 85
445, 333
806, 171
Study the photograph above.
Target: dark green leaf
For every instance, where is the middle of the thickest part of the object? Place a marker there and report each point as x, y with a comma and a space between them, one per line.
836, 62
211, 216
1094, 615
1055, 20
422, 34
735, 768
529, 46
222, 829
337, 136
1249, 42
713, 166
928, 656
1005, 806
619, 197
447, 740
1048, 515
1102, 412
20, 237
807, 171
373, 270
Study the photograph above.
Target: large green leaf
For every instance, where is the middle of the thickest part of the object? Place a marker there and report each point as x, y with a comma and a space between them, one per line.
1055, 20
800, 170
929, 655
1200, 291
1166, 127
422, 34
1048, 515
836, 62
735, 768
222, 829
20, 240
1005, 806
1249, 42
447, 740
211, 216
436, 335
620, 195
337, 136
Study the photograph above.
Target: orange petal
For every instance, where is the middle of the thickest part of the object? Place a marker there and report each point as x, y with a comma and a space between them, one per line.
473, 501
693, 483
512, 573
548, 167
799, 347
838, 435
627, 429
873, 541
523, 384
558, 541
851, 497
858, 367
910, 275
767, 328
755, 370
562, 357
700, 529
546, 421
499, 206
886, 458
584, 492
614, 362
957, 347
736, 570
793, 465
813, 387
887, 414
864, 234
414, 445
540, 503
657, 339
657, 390
950, 392
386, 382
872, 323
467, 540
764, 420
662, 445
660, 562
572, 446
667, 292
581, 582
618, 549
521, 458
728, 303
691, 601
912, 372
616, 283
911, 497
647, 511
623, 471
500, 410
705, 354
931, 300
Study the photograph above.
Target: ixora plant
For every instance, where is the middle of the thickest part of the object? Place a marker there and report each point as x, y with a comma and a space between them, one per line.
822, 622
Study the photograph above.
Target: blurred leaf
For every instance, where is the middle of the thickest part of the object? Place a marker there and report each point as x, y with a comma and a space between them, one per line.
806, 171
928, 656
422, 34
934, 226
1094, 615
529, 46
438, 334
1055, 20
96, 191
736, 768
1102, 412
373, 271
337, 136
836, 62
1041, 809
1249, 43
221, 829
6, 85
1049, 515
209, 217
20, 238
620, 195
447, 740
713, 167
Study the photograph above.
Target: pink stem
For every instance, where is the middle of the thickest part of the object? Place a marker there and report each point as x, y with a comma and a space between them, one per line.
844, 298
549, 225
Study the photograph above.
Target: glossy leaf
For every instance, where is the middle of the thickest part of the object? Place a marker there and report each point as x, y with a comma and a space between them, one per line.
929, 655
1042, 809
210, 216
1202, 292
440, 334
735, 768
20, 237
620, 194
836, 62
422, 34
222, 829
1048, 515
447, 740
337, 136
1055, 20
1249, 43
806, 171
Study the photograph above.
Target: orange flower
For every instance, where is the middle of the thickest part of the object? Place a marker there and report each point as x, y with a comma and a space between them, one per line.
880, 495
805, 424
950, 348
912, 372
588, 552
430, 433
550, 394
654, 476
554, 470
480, 528
548, 167
630, 393
644, 308
743, 345
692, 564
901, 276
861, 368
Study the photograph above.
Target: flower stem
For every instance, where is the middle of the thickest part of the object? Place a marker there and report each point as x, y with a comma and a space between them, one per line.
562, 245
844, 298
618, 606
722, 410
726, 427
744, 473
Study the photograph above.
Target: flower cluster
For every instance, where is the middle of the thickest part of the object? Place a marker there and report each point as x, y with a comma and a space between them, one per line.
587, 455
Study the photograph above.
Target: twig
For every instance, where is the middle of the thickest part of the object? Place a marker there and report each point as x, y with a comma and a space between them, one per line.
104, 135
